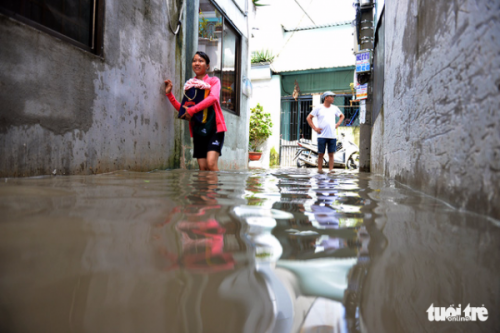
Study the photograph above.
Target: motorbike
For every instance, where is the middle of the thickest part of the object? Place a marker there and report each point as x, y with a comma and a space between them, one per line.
346, 154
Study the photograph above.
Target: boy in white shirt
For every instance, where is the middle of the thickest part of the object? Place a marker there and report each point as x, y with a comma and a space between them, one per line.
326, 131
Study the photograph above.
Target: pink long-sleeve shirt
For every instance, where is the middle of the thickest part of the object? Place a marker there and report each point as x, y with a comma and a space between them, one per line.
211, 100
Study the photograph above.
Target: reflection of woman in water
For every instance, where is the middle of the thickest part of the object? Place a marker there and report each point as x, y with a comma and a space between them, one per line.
207, 128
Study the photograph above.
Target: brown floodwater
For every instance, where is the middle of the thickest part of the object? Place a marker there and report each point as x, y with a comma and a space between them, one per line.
284, 250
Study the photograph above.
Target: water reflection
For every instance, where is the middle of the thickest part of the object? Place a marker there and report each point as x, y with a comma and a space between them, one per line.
194, 251
323, 244
201, 243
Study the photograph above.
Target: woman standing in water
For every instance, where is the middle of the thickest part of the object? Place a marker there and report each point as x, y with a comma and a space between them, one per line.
203, 111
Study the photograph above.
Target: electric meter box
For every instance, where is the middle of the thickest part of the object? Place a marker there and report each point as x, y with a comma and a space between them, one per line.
363, 62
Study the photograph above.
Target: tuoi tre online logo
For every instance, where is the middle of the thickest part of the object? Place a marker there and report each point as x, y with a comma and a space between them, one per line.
470, 313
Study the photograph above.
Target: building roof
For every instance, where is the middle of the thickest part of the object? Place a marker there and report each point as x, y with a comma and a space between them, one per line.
311, 48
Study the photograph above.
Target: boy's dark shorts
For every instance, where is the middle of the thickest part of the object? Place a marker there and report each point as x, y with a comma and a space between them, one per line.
322, 142
204, 144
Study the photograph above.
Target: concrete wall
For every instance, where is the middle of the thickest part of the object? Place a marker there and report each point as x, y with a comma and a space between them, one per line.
266, 92
423, 253
66, 109
439, 128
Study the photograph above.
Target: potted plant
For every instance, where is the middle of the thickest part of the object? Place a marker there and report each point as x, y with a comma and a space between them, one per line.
257, 4
202, 26
262, 57
260, 130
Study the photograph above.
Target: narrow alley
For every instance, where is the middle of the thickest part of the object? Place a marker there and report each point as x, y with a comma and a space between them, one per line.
280, 250
249, 166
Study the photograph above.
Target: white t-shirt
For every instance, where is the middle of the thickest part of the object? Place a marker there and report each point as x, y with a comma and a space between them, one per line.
326, 120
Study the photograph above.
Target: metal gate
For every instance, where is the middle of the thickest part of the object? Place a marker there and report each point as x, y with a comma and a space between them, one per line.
294, 125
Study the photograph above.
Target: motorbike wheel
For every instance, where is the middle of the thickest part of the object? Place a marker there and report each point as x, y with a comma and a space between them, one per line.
300, 163
353, 162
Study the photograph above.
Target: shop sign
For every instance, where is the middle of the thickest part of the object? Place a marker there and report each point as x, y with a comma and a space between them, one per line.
362, 91
363, 62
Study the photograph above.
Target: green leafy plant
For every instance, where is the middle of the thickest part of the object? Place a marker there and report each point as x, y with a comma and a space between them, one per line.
260, 127
353, 91
253, 200
257, 4
262, 56
203, 26
274, 158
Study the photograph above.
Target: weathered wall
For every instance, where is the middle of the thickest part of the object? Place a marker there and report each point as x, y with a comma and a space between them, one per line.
440, 125
422, 253
66, 109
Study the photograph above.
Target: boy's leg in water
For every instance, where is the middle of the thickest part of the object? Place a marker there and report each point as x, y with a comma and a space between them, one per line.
202, 162
332, 145
321, 153
213, 160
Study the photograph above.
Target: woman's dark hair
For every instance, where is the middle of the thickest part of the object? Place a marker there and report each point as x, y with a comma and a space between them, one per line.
204, 56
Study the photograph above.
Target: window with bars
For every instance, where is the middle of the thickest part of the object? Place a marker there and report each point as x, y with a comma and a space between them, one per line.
221, 42
293, 118
76, 21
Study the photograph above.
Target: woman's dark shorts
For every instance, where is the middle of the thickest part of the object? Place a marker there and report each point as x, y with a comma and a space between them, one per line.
322, 142
204, 144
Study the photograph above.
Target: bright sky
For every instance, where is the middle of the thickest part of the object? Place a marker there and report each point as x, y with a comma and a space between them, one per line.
269, 19
320, 12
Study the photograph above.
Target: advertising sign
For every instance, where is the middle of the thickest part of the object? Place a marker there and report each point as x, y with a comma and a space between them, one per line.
363, 62
362, 91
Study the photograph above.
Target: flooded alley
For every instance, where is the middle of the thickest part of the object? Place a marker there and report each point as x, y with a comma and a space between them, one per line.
283, 250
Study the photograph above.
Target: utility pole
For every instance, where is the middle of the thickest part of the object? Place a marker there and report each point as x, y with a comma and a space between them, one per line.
363, 81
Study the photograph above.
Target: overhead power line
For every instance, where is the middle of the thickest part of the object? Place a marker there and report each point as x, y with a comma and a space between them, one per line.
305, 11
294, 30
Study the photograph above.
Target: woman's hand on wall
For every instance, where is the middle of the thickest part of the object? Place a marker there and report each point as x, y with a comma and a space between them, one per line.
168, 86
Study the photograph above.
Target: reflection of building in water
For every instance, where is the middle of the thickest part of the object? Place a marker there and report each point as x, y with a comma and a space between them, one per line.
325, 247
302, 243
356, 278
297, 210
